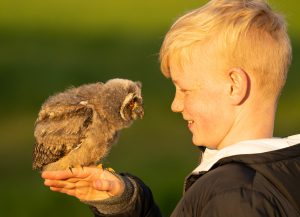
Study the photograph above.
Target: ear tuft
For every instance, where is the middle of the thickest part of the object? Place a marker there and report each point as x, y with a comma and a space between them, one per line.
139, 84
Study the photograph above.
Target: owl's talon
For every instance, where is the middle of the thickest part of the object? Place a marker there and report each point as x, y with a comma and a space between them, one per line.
100, 166
70, 168
110, 170
82, 167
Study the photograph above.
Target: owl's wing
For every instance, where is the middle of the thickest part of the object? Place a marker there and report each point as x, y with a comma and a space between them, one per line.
59, 129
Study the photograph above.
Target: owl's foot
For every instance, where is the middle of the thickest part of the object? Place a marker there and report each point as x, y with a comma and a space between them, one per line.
110, 169
70, 168
100, 166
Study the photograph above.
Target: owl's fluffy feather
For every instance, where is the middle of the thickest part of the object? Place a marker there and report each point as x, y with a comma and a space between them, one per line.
78, 126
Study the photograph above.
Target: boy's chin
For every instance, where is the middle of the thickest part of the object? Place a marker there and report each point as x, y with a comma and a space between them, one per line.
197, 142
200, 142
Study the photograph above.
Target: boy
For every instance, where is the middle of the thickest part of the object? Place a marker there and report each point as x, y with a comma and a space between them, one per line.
228, 61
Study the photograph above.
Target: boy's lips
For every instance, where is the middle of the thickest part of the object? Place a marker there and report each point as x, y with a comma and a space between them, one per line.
190, 123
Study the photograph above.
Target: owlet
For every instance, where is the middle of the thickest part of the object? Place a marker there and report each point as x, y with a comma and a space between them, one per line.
78, 126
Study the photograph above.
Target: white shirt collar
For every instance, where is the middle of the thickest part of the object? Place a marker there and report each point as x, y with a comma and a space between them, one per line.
210, 157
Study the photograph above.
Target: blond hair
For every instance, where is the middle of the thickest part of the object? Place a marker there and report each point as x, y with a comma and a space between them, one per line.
251, 35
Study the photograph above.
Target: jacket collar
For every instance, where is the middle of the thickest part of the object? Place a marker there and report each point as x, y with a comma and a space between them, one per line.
211, 157
251, 152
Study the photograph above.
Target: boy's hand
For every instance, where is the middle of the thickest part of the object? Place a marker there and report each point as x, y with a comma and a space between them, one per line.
87, 183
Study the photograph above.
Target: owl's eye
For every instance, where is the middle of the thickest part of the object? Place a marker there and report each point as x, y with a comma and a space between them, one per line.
133, 103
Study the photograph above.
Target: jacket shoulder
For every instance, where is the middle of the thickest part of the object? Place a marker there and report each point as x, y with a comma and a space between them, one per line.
224, 189
223, 179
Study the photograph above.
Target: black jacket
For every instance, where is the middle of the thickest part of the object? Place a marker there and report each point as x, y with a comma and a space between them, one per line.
252, 185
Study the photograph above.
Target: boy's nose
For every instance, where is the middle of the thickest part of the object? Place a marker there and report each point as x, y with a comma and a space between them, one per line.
177, 105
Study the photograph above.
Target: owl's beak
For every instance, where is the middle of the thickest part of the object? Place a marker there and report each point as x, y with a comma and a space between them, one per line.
137, 111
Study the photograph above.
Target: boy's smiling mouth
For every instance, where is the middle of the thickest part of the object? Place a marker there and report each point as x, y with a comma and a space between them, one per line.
190, 123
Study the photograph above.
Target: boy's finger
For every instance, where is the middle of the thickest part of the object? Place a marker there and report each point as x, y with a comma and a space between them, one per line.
59, 184
63, 190
81, 172
111, 187
102, 185
61, 174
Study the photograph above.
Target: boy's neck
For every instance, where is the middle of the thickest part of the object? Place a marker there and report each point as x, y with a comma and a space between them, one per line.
252, 122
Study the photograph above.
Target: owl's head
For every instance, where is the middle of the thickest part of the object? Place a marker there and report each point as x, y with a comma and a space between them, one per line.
124, 100
132, 107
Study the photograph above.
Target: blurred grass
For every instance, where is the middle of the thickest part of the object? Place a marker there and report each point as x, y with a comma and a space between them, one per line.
47, 46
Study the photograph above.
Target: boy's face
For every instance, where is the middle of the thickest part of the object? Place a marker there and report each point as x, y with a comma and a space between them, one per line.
201, 96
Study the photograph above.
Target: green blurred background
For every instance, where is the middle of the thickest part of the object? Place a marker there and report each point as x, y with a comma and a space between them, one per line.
49, 45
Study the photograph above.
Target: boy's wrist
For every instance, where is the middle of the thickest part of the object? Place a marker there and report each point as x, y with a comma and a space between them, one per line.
116, 204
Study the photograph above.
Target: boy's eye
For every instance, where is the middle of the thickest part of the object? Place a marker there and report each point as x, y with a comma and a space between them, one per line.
184, 90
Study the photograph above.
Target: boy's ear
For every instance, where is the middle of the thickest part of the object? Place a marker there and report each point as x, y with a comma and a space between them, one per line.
239, 85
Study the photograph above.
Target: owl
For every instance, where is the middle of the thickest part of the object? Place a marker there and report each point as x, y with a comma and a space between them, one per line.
77, 127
